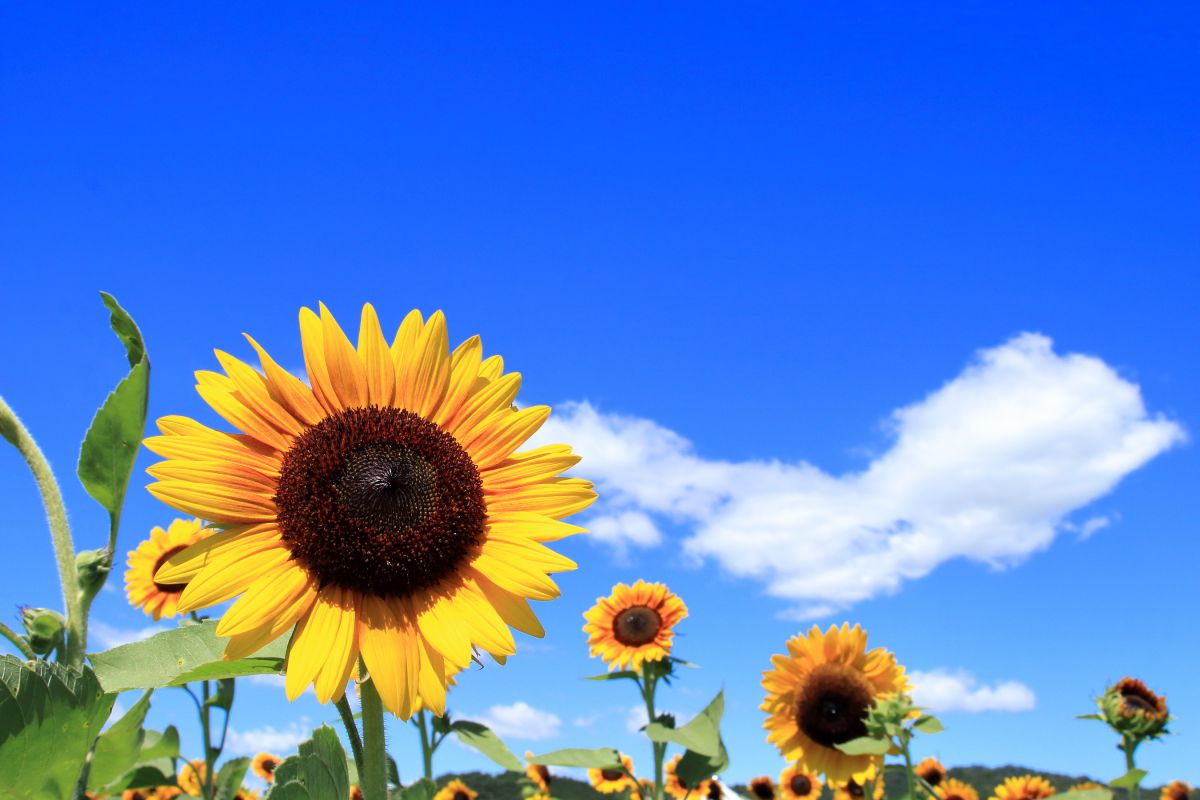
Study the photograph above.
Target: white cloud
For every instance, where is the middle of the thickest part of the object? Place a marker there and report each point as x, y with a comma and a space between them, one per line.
109, 636
987, 467
521, 721
267, 739
943, 690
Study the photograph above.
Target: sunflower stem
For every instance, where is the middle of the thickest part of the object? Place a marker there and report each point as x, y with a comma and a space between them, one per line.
373, 778
356, 748
426, 746
648, 685
1129, 747
905, 738
17, 641
60, 532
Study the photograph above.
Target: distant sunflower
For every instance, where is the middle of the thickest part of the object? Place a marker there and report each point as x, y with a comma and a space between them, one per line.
818, 696
137, 794
611, 781
678, 789
796, 783
166, 792
634, 624
355, 793
245, 794
1023, 787
264, 765
456, 790
538, 773
381, 509
762, 788
952, 789
1176, 790
154, 598
191, 776
931, 771
715, 790
1090, 786
643, 791
853, 790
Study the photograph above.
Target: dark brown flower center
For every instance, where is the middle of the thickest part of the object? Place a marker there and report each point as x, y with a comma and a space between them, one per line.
800, 785
636, 626
832, 705
379, 500
854, 790
932, 775
461, 795
168, 588
762, 788
269, 765
611, 774
1138, 698
714, 791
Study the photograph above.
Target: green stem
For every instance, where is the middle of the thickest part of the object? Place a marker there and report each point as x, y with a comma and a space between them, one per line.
60, 532
426, 744
205, 709
17, 641
1129, 747
343, 707
648, 685
373, 778
908, 766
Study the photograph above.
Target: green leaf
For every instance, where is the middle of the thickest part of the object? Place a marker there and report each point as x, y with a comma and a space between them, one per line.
695, 767
1096, 717
112, 441
865, 745
602, 758
483, 739
118, 748
49, 717
155, 764
928, 724
614, 676
1087, 794
393, 771
178, 656
424, 789
229, 778
1129, 779
317, 772
223, 699
702, 735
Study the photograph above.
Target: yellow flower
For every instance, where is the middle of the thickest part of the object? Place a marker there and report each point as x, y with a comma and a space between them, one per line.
154, 598
1176, 790
931, 771
818, 696
539, 774
678, 789
137, 794
264, 765
611, 781
798, 784
633, 624
1023, 787
762, 788
852, 790
952, 789
166, 792
382, 509
455, 790
356, 793
191, 776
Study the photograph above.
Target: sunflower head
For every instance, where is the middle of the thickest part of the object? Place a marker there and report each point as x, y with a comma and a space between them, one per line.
1132, 709
612, 781
931, 771
456, 790
677, 788
1023, 787
381, 510
1176, 790
818, 696
952, 789
762, 788
853, 790
191, 776
797, 783
158, 598
633, 625
538, 773
264, 765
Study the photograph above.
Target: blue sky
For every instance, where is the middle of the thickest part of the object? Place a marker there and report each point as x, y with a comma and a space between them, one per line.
729, 245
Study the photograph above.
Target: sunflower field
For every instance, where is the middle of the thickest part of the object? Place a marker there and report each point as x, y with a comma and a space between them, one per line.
375, 531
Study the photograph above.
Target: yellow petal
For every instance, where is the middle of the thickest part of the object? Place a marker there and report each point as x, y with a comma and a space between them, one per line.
442, 628
240, 539
503, 433
464, 371
274, 591
390, 649
515, 577
211, 502
432, 679
288, 390
255, 392
312, 341
376, 358
513, 609
309, 647
244, 644
532, 526
230, 406
342, 648
404, 353
346, 371
555, 497
229, 576
531, 466
484, 404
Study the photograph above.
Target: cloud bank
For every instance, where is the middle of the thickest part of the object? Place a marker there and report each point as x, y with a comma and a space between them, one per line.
942, 690
521, 721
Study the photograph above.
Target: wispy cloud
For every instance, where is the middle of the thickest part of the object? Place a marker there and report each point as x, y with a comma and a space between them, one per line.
267, 739
520, 721
987, 468
946, 690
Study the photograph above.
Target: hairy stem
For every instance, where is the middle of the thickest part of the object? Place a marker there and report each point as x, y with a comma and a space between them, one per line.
373, 778
343, 707
648, 685
17, 641
426, 744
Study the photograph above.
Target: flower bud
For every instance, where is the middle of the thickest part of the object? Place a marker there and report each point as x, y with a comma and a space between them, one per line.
43, 628
1133, 710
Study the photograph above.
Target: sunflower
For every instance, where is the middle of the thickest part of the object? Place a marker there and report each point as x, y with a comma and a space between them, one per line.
1091, 786
643, 791
1176, 790
456, 790
1023, 787
538, 773
677, 788
356, 793
852, 790
818, 696
137, 794
633, 624
715, 790
1133, 709
167, 792
264, 765
931, 771
762, 788
245, 794
798, 784
154, 598
952, 789
381, 509
191, 776
611, 781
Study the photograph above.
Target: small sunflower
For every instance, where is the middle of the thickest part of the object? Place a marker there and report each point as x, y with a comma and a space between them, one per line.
931, 771
952, 789
191, 776
818, 696
456, 790
1176, 790
264, 765
1089, 786
611, 781
382, 509
633, 624
154, 598
762, 788
678, 789
853, 790
798, 784
1023, 787
538, 773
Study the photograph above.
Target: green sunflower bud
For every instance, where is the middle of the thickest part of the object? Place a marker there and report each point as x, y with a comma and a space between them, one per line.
1133, 710
92, 567
44, 629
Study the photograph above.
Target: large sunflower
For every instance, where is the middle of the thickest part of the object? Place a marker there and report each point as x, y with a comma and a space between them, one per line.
796, 783
952, 789
1023, 787
931, 771
381, 509
456, 790
818, 696
611, 781
634, 624
151, 596
680, 790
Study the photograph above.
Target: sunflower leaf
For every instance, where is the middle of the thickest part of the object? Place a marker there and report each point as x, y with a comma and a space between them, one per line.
928, 724
178, 656
485, 740
155, 764
701, 735
118, 748
1129, 779
613, 676
229, 779
317, 771
424, 789
865, 745
601, 758
223, 698
695, 767
1086, 794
